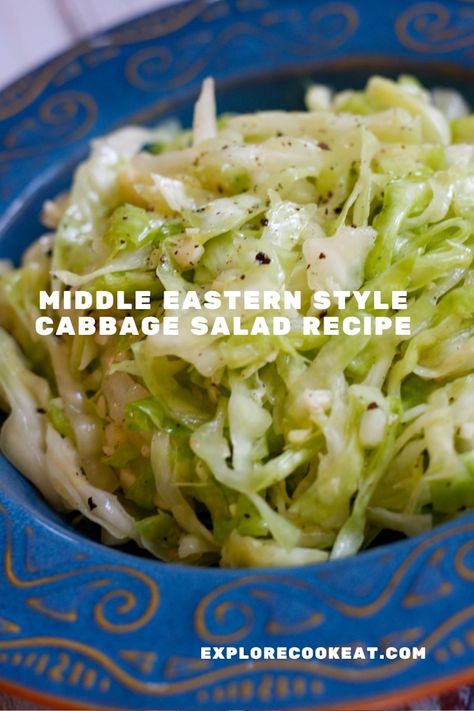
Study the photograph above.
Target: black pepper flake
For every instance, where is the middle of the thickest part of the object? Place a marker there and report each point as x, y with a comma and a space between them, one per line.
262, 258
322, 255
242, 276
323, 145
91, 504
372, 406
41, 411
338, 210
264, 221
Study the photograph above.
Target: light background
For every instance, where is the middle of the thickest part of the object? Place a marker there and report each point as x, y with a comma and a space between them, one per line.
32, 31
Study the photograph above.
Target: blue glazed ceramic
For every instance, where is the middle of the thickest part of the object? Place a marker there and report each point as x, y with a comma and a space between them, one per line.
81, 624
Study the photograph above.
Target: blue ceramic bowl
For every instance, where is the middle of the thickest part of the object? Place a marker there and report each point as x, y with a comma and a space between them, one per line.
81, 624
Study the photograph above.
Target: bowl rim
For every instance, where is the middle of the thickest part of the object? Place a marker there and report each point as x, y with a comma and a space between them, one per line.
373, 702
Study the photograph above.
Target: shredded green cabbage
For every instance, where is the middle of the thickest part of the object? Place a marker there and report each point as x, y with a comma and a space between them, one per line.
253, 450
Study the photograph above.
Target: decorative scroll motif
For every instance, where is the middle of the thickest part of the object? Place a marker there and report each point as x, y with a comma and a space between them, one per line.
413, 561
330, 26
24, 92
434, 27
243, 609
228, 614
45, 112
146, 68
64, 117
125, 608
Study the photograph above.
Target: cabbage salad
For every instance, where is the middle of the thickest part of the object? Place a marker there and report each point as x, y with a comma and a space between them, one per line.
257, 450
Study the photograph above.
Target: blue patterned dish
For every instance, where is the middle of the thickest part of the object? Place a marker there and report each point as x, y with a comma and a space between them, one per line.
81, 624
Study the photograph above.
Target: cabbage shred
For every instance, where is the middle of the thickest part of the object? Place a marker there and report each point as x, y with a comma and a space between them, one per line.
257, 451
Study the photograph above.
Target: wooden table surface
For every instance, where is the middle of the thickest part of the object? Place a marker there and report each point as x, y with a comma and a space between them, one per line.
31, 31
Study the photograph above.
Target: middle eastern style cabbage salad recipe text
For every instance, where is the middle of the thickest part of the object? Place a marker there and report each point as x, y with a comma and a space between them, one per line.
252, 343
